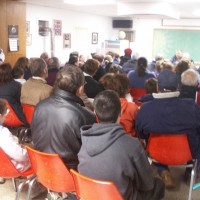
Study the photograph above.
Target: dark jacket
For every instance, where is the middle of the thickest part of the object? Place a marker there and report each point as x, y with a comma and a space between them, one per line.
170, 115
108, 153
56, 125
124, 59
129, 65
11, 91
92, 87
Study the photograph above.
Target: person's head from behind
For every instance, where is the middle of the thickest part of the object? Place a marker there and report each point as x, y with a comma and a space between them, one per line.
54, 63
5, 73
107, 106
74, 53
107, 81
70, 79
167, 81
3, 110
121, 84
22, 62
98, 57
45, 57
190, 77
39, 68
182, 66
91, 66
128, 51
141, 66
18, 73
151, 85
167, 65
73, 60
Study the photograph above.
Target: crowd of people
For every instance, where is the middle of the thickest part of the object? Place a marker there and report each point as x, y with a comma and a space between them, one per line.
84, 112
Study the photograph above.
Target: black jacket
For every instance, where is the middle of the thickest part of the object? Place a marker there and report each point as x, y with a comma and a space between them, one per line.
56, 125
11, 91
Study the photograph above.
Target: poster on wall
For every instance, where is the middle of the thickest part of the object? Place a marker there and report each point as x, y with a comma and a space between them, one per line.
67, 40
57, 25
43, 28
13, 38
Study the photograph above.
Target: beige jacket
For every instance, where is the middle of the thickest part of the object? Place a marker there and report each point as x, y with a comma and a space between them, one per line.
34, 90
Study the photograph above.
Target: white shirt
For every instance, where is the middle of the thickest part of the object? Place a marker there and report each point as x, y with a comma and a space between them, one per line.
9, 144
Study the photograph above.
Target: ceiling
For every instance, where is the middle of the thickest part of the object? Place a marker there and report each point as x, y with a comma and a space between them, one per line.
164, 9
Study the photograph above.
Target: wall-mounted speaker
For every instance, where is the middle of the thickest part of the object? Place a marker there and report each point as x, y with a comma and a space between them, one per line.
122, 23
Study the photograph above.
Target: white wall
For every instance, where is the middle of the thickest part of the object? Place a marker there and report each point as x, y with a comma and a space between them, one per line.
71, 23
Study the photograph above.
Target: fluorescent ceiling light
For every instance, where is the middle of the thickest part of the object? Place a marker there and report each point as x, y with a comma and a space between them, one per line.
89, 2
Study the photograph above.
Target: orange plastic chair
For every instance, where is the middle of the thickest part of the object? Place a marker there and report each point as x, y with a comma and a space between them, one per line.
28, 111
136, 93
169, 149
11, 118
50, 171
90, 189
172, 149
8, 170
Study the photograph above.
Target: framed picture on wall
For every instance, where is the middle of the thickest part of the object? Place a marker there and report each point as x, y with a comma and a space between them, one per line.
94, 38
57, 24
43, 27
67, 40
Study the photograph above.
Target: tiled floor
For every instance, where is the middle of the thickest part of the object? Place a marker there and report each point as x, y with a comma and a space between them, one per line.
181, 193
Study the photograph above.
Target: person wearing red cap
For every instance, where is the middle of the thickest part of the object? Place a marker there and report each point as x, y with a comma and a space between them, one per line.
126, 57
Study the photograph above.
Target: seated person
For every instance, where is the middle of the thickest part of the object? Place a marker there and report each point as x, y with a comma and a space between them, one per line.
53, 68
138, 77
119, 83
108, 153
10, 145
18, 75
11, 91
91, 87
189, 84
177, 57
167, 113
23, 62
151, 87
36, 88
57, 119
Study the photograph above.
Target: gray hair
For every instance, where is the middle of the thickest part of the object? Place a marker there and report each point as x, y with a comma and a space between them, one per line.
190, 77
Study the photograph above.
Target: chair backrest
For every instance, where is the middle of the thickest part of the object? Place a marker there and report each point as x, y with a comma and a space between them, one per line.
11, 118
90, 189
51, 171
136, 93
7, 169
28, 111
169, 149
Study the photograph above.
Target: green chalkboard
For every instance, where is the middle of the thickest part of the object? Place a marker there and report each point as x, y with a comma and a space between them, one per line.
167, 41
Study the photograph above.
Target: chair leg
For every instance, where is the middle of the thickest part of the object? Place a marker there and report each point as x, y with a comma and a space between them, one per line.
30, 184
20, 187
193, 175
14, 184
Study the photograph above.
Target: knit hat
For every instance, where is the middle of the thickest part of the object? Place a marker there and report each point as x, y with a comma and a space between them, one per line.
167, 80
128, 51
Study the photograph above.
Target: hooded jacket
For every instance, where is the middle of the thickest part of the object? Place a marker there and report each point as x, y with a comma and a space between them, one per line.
56, 125
108, 153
